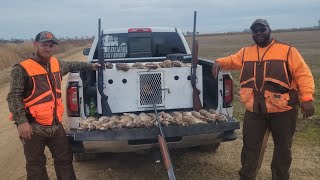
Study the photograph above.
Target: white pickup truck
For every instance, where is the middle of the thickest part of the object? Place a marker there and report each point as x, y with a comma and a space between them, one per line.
145, 45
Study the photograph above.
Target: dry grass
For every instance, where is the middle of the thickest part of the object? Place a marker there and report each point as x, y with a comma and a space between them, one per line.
12, 54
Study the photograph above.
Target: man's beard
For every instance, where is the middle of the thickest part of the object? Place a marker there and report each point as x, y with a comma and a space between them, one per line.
42, 58
265, 41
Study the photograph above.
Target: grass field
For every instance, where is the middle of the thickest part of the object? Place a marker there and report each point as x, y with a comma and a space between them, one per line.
308, 44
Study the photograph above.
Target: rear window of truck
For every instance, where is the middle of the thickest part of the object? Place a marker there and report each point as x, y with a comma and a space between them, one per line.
146, 44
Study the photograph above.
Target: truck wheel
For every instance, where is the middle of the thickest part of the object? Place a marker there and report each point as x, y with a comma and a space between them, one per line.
209, 148
78, 157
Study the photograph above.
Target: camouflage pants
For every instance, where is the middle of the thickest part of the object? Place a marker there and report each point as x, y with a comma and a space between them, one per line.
55, 139
282, 127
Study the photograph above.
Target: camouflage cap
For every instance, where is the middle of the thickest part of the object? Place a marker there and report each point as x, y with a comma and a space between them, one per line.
259, 21
45, 36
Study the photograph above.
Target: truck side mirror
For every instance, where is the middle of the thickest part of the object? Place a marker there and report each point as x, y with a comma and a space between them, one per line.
86, 51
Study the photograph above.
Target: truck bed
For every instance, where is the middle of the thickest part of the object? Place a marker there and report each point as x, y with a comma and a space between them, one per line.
151, 133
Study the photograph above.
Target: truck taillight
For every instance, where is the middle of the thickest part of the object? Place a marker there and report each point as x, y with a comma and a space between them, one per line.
227, 91
131, 30
72, 99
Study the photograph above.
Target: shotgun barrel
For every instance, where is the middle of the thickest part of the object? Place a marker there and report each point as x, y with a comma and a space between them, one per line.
106, 110
194, 63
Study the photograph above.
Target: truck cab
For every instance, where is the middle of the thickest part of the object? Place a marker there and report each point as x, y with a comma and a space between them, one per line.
126, 91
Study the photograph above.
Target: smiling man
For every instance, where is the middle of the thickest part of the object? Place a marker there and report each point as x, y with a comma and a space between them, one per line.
274, 80
36, 108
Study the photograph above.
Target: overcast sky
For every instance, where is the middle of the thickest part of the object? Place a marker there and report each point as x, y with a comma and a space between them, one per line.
70, 18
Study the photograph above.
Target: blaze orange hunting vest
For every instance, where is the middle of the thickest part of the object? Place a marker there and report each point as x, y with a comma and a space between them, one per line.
266, 83
44, 103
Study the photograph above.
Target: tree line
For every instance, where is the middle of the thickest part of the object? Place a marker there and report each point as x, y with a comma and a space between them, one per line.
16, 41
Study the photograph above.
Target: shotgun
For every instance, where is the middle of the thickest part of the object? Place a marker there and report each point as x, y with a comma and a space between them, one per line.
106, 110
164, 149
194, 63
263, 148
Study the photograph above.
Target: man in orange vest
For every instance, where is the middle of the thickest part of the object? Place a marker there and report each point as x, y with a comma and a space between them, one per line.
36, 106
274, 79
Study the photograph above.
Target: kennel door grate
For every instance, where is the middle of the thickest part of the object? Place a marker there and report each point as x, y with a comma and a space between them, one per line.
150, 89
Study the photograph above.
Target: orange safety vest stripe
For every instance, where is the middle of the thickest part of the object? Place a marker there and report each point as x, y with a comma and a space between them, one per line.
33, 90
38, 98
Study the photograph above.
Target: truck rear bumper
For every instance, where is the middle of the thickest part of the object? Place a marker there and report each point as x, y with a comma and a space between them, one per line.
125, 146
128, 140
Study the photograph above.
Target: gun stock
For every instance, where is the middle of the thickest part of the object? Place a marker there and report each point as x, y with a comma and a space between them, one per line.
164, 149
164, 152
196, 100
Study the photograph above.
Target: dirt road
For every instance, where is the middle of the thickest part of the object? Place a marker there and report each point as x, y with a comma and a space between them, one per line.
223, 164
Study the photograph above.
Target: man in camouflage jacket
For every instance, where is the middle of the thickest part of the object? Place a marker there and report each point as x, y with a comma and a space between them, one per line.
36, 136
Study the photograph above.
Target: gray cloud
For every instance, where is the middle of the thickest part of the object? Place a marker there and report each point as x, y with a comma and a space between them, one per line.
24, 19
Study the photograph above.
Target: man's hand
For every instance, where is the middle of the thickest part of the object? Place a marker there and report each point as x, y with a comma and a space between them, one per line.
25, 131
307, 109
95, 66
215, 69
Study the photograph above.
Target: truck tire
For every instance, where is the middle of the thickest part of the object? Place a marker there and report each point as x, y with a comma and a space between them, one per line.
78, 157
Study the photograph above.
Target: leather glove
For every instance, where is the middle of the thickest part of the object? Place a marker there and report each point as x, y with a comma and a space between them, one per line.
215, 69
307, 109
